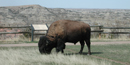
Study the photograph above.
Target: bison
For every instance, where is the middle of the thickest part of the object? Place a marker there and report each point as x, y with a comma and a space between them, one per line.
63, 31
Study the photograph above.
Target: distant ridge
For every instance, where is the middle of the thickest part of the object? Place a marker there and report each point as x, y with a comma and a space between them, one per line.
30, 14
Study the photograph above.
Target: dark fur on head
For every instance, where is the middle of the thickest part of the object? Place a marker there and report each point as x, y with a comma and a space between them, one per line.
45, 45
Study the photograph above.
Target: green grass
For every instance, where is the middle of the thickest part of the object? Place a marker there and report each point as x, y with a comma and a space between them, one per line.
101, 55
120, 53
114, 52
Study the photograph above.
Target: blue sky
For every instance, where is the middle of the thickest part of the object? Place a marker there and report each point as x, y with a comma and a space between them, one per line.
98, 4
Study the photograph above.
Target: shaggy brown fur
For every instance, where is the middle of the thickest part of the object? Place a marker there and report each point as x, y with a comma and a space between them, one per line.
68, 31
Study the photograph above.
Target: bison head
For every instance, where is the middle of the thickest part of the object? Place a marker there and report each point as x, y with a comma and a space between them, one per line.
45, 45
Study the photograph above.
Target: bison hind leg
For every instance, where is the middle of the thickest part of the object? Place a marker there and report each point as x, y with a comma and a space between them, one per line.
82, 46
88, 43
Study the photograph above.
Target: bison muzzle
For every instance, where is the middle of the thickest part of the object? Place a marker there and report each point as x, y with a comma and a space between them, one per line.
63, 31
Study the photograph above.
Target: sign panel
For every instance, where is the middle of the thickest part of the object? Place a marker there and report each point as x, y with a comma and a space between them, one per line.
39, 27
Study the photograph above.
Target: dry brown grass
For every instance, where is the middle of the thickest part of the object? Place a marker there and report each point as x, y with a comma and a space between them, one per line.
31, 56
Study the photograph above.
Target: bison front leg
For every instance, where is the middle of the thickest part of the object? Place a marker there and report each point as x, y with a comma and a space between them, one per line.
62, 51
82, 46
63, 48
60, 46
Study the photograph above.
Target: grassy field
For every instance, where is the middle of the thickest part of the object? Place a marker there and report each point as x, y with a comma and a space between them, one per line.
101, 55
117, 54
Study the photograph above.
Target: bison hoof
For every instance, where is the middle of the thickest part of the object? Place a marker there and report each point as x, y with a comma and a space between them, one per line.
89, 54
62, 51
80, 52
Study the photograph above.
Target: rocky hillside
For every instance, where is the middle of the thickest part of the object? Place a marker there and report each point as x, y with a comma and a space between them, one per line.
107, 17
36, 14
30, 14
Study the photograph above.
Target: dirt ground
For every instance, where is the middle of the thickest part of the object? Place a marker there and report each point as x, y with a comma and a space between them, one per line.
36, 44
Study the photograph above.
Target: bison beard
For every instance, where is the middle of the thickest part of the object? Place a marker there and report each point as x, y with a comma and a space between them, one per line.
63, 31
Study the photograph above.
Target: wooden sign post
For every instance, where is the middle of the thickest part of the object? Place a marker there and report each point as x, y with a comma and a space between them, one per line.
38, 27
